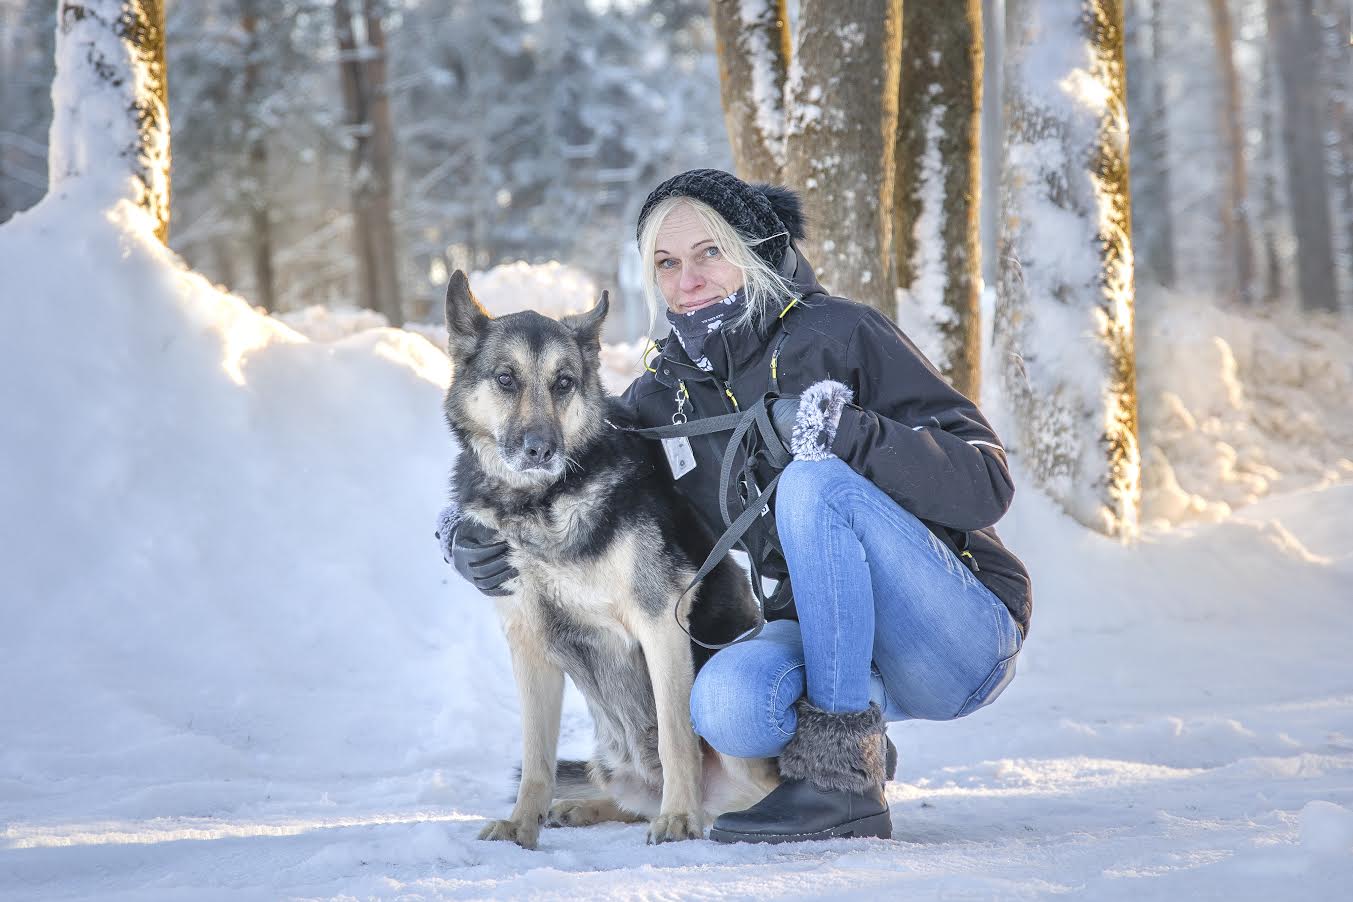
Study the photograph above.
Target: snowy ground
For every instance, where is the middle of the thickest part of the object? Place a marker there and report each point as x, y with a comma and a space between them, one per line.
233, 665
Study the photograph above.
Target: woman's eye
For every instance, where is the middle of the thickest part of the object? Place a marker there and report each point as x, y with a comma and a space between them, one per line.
711, 251
668, 263
563, 383
506, 380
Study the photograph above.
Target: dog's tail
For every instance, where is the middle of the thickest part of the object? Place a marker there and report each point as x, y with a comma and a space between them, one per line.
572, 780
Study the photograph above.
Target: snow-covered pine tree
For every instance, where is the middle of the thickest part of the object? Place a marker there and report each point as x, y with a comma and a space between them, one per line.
1064, 314
936, 242
829, 115
110, 102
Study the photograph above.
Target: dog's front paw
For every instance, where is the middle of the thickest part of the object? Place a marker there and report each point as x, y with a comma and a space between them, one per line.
525, 835
675, 827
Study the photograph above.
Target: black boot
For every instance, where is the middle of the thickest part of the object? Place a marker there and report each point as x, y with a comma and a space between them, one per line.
832, 783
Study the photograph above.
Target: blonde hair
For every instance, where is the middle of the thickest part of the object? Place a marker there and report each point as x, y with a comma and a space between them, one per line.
766, 291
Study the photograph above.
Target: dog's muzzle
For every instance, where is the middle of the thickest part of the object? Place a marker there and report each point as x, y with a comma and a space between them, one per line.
538, 451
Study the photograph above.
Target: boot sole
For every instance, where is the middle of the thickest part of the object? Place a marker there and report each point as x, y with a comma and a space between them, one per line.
876, 826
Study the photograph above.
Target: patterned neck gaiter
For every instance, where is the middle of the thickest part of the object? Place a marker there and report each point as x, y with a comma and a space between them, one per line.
695, 328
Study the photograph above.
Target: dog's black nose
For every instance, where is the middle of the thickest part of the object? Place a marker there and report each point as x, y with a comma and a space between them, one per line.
539, 450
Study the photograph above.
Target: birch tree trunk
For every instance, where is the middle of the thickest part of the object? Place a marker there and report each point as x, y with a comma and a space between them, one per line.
1235, 220
110, 118
821, 118
362, 70
1064, 314
1295, 36
936, 226
842, 124
751, 40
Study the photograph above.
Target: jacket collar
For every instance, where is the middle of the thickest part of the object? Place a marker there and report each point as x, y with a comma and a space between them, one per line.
740, 347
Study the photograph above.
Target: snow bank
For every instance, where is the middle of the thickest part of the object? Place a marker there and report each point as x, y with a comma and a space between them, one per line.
552, 288
232, 664
1235, 406
218, 553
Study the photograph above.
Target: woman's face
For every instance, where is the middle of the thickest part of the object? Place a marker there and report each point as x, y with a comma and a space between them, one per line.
692, 270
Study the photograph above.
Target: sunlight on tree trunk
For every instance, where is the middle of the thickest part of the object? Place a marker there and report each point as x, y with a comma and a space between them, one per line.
752, 44
1065, 299
111, 101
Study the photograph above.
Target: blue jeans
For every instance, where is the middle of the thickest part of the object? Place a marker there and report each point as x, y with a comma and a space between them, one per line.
886, 613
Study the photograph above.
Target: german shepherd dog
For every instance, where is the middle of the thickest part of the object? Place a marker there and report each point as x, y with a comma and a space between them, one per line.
604, 549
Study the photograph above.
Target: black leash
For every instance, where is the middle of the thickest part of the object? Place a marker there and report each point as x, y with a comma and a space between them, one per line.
778, 456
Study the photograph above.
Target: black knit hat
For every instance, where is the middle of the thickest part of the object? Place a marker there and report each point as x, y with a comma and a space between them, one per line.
770, 212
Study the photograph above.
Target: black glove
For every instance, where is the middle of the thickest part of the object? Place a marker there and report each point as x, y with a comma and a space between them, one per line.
479, 555
784, 412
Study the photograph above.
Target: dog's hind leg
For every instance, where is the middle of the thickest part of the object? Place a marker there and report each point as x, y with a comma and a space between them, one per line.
540, 683
586, 812
671, 671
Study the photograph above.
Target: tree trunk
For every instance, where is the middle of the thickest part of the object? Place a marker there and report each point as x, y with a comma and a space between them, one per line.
1158, 141
751, 40
936, 239
1234, 218
1338, 77
839, 153
111, 101
1295, 35
362, 74
1066, 295
1272, 213
382, 165
256, 193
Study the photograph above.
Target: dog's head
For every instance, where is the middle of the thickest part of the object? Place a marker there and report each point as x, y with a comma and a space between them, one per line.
526, 397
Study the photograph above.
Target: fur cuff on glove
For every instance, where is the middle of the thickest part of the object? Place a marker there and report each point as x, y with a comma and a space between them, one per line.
820, 408
836, 752
447, 521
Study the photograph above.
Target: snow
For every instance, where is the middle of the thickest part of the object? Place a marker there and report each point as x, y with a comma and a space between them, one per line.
233, 665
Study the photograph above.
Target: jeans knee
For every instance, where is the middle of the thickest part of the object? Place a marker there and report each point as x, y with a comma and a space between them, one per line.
805, 487
742, 711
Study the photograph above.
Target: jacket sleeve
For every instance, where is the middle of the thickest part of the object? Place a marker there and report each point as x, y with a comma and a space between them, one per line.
914, 436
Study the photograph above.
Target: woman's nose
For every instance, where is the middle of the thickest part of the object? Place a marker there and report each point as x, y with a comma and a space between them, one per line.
690, 278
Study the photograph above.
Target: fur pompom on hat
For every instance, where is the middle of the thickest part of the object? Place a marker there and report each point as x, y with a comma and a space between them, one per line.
770, 216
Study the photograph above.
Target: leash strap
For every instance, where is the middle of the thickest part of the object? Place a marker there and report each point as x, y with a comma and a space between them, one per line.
777, 455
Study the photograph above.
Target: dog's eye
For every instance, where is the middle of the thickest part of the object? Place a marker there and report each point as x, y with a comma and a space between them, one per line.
563, 383
506, 380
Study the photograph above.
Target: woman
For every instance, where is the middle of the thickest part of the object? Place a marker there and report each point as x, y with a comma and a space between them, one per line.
905, 603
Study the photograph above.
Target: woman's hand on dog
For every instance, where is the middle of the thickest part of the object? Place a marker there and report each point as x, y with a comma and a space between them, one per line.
478, 554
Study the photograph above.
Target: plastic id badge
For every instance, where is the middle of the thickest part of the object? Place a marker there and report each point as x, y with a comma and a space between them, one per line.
679, 456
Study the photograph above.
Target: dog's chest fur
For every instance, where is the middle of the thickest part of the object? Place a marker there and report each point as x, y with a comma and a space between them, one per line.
577, 566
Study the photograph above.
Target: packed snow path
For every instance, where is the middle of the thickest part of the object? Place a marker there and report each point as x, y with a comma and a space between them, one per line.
233, 665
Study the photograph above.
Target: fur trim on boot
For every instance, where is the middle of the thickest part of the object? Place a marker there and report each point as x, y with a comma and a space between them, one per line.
836, 752
819, 414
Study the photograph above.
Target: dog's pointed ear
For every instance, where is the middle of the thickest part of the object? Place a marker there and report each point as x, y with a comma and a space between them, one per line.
587, 326
466, 320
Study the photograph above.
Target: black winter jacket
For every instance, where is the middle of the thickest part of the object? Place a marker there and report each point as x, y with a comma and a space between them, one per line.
910, 433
